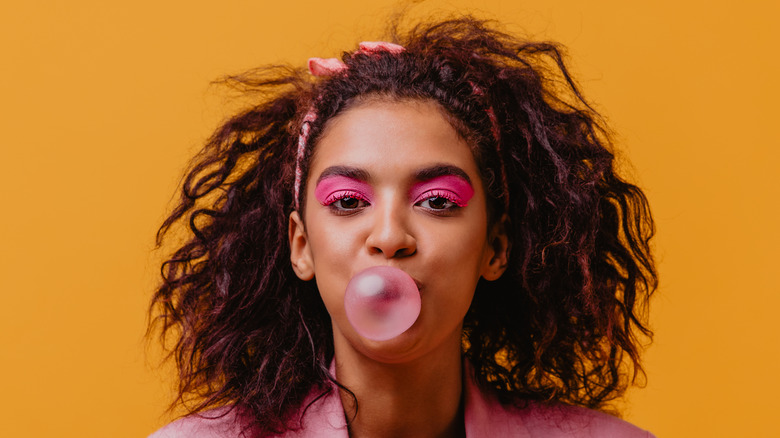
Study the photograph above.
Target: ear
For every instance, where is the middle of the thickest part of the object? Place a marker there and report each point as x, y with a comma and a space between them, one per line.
497, 254
300, 251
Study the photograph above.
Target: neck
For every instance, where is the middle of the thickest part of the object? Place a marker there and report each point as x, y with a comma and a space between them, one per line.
416, 398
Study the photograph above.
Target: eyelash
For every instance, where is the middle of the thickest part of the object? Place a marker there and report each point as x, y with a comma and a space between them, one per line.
336, 197
449, 196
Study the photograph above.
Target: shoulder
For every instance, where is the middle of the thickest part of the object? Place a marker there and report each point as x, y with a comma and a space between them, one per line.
216, 423
536, 420
486, 417
324, 417
571, 421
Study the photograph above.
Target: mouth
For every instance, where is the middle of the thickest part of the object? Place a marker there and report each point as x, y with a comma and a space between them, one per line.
417, 282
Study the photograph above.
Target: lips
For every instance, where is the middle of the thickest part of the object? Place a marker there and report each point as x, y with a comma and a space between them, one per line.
417, 282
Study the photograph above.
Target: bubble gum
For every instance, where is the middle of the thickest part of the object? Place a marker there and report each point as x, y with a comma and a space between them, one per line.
382, 302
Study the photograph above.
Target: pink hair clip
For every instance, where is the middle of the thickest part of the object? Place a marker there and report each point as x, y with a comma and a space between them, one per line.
380, 46
326, 66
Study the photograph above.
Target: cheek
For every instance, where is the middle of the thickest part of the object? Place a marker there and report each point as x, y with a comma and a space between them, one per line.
334, 240
457, 251
332, 249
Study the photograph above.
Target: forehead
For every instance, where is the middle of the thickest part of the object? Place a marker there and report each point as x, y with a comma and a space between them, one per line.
389, 137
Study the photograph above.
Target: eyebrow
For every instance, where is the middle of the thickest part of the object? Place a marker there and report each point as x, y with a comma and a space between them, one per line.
425, 174
438, 170
349, 172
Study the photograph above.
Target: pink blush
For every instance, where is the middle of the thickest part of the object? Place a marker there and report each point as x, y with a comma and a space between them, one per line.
338, 184
455, 185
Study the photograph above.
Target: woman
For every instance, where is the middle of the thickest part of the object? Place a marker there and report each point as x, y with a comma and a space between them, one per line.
466, 159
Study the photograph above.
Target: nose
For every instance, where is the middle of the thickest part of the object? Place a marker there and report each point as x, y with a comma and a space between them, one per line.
390, 235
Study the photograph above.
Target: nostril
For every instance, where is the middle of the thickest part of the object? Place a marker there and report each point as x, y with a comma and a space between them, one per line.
405, 252
396, 249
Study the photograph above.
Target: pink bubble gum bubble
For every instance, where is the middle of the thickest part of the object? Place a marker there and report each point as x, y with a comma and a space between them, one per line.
382, 302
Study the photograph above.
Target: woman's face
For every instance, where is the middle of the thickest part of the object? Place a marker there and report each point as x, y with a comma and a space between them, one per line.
392, 183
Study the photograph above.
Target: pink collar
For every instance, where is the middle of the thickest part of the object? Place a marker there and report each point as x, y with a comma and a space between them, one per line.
484, 416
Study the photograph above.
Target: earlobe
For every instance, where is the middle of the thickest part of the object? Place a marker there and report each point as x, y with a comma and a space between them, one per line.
300, 251
497, 259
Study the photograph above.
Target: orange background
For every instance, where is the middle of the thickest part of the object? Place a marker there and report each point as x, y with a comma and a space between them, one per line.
101, 104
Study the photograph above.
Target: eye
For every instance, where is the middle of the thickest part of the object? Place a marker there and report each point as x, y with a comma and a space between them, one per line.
346, 202
349, 203
439, 201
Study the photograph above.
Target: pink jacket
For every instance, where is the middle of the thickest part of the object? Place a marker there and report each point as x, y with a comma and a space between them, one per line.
485, 417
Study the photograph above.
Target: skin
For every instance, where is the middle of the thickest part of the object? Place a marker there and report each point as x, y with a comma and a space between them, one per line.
392, 183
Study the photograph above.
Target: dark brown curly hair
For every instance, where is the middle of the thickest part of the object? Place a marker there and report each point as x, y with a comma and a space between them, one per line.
565, 323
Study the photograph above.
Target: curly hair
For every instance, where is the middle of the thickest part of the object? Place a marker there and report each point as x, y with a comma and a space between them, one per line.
565, 323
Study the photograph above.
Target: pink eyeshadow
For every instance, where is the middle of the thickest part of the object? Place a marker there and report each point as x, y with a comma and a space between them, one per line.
336, 183
450, 183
